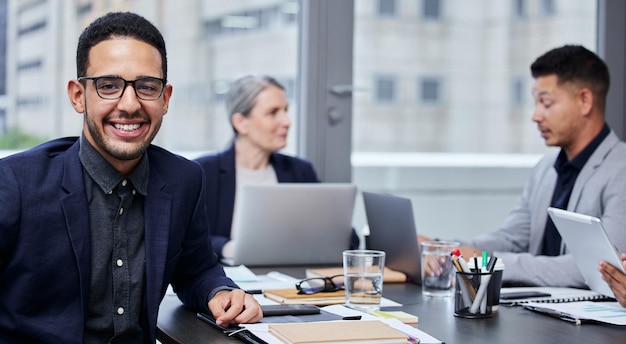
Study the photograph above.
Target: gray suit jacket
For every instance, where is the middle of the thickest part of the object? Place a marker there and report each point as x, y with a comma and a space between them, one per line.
600, 190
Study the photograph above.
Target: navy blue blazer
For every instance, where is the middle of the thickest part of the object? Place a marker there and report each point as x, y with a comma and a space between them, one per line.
221, 178
45, 245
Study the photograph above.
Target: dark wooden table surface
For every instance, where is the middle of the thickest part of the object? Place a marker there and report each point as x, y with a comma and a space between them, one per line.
509, 325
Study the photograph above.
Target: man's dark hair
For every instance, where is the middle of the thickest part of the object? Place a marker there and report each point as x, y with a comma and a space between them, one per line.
575, 64
118, 24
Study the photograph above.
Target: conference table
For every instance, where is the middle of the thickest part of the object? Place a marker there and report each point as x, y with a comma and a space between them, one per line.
510, 325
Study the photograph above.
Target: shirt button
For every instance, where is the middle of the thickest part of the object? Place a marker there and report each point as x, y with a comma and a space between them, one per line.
121, 211
120, 311
134, 192
110, 192
124, 182
120, 262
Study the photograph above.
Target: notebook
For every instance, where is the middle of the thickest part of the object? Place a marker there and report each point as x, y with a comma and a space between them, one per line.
551, 295
392, 229
349, 331
291, 296
389, 275
292, 224
587, 241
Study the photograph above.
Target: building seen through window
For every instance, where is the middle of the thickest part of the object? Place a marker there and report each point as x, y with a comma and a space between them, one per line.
429, 75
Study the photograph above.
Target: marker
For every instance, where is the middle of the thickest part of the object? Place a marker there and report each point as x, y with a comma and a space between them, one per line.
465, 267
254, 291
492, 264
485, 256
457, 265
481, 294
476, 267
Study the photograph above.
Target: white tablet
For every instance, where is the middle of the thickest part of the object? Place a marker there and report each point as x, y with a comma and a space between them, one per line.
588, 243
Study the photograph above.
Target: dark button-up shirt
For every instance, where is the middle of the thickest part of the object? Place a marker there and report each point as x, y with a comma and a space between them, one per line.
117, 248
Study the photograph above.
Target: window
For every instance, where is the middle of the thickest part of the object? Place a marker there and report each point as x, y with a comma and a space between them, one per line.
35, 64
36, 26
289, 11
28, 101
385, 89
387, 8
467, 73
208, 44
430, 90
547, 8
84, 8
432, 9
519, 9
290, 88
220, 88
519, 91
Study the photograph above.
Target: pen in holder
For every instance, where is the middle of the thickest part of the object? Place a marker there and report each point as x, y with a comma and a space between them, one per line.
470, 297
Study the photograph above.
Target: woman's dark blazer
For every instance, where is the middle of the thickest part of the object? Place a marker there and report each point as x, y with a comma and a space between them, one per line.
220, 194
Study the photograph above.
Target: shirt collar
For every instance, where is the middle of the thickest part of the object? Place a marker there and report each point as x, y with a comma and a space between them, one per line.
105, 175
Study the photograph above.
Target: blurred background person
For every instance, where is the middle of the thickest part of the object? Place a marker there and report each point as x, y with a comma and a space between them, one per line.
587, 175
258, 111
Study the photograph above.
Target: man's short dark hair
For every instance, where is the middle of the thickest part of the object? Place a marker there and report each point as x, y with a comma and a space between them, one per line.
578, 65
121, 24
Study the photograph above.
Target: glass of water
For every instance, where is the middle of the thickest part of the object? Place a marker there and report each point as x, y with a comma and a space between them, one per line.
363, 274
437, 271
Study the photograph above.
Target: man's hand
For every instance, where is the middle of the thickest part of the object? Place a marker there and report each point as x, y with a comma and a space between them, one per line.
616, 279
234, 306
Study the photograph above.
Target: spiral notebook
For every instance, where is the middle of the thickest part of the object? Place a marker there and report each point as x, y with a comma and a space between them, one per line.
557, 295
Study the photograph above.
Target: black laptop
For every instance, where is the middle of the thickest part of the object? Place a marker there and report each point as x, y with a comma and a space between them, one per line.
392, 229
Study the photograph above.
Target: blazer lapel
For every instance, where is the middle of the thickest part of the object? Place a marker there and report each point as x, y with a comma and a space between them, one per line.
76, 212
226, 187
590, 168
157, 220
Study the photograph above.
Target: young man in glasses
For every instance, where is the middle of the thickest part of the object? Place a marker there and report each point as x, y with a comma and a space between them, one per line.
93, 229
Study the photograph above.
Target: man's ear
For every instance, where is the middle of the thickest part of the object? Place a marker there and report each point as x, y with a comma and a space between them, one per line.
240, 123
76, 93
585, 100
167, 94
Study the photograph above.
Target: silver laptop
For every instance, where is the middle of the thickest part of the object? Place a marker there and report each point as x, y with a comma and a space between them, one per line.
586, 239
392, 229
292, 224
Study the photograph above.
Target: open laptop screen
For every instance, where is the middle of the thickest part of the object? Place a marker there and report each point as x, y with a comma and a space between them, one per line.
292, 224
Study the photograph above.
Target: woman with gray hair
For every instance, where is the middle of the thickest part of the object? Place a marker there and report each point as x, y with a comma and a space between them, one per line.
257, 107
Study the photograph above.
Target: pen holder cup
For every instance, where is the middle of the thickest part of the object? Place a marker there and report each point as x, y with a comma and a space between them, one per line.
472, 297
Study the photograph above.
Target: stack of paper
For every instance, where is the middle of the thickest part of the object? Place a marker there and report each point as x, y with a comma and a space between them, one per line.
583, 311
400, 315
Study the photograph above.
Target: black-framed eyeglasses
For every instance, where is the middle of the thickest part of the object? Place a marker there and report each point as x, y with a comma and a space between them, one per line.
320, 284
113, 87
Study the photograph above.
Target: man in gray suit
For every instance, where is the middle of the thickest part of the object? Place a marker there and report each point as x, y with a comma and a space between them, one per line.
587, 175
